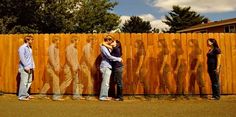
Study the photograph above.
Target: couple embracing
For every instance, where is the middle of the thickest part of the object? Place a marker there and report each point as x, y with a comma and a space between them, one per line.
111, 52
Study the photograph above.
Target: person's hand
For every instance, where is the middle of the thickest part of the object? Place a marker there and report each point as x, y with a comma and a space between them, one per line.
137, 73
57, 70
176, 71
27, 69
75, 68
217, 70
161, 71
193, 71
121, 60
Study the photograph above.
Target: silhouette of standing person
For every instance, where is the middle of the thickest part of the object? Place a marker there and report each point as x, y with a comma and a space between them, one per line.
26, 67
140, 69
164, 67
196, 69
88, 60
71, 70
179, 67
213, 66
53, 70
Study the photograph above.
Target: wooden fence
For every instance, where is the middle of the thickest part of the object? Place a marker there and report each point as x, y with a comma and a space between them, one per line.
150, 80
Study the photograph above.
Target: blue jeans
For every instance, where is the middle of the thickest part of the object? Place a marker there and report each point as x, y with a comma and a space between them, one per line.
106, 73
215, 85
25, 83
118, 79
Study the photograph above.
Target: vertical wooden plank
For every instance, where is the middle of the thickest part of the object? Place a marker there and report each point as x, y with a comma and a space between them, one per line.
36, 82
228, 55
81, 42
205, 51
146, 68
170, 37
44, 43
223, 72
128, 71
123, 38
9, 77
192, 83
203, 58
151, 63
183, 38
1, 61
156, 49
14, 63
137, 89
233, 49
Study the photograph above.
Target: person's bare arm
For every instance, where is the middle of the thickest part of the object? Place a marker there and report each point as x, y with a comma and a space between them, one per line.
218, 63
69, 58
179, 58
140, 63
163, 63
106, 45
88, 56
198, 61
51, 56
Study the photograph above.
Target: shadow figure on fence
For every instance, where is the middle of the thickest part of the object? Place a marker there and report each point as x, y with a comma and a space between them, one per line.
164, 68
179, 68
196, 69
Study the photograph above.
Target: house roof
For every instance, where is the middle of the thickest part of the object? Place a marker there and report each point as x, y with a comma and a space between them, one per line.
210, 24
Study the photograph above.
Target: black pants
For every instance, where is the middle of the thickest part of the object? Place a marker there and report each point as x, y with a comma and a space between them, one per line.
118, 79
214, 76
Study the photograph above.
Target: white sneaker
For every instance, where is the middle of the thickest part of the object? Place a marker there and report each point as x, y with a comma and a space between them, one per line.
23, 99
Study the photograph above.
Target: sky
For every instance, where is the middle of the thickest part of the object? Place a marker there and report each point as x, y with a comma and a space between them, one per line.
155, 10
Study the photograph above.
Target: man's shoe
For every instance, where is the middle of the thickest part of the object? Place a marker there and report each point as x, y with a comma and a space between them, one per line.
24, 99
78, 98
31, 97
105, 99
119, 99
59, 99
214, 98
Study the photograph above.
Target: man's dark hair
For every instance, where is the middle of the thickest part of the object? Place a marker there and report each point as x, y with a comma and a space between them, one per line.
215, 44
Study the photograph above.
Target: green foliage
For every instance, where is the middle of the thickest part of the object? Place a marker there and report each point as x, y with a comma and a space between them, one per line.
136, 25
182, 18
96, 15
57, 16
18, 15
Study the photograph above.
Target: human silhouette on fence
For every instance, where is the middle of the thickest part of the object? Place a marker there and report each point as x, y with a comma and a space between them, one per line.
140, 68
53, 70
87, 63
196, 69
71, 69
164, 68
179, 66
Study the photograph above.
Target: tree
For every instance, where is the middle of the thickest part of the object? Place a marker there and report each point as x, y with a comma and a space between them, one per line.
18, 16
136, 25
182, 18
95, 15
156, 30
56, 16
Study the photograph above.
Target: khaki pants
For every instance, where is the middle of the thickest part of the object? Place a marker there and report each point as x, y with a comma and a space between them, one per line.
87, 73
69, 76
51, 76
